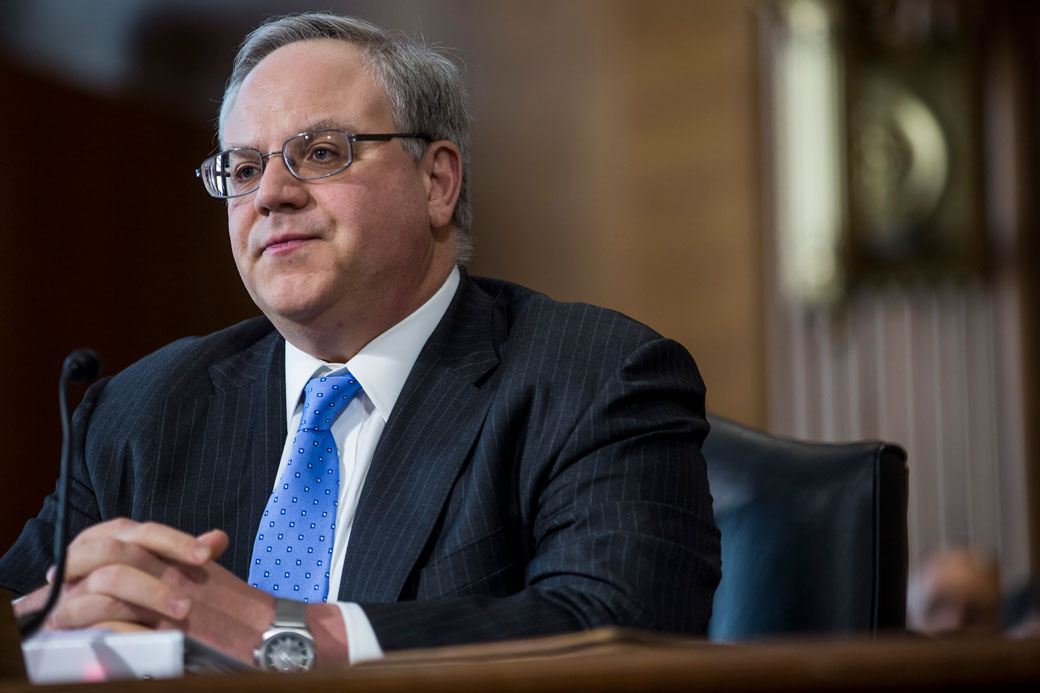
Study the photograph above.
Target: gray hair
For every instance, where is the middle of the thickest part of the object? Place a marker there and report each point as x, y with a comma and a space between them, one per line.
425, 88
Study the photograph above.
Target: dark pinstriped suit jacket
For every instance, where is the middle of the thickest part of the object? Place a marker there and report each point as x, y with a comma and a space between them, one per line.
541, 471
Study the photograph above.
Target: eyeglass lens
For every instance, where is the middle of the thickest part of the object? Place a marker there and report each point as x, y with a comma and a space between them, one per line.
308, 156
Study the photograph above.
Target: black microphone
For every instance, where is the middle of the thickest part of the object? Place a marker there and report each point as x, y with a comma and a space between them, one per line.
82, 365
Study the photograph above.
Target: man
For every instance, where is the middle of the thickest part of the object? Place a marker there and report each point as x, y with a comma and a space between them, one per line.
505, 465
955, 591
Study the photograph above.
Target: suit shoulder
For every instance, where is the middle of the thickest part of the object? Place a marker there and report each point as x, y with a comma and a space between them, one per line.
557, 359
531, 315
186, 363
580, 347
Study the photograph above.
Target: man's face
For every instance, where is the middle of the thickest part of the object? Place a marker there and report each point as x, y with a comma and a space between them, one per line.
349, 250
956, 592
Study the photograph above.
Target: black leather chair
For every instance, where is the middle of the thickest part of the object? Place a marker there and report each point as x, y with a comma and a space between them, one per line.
814, 535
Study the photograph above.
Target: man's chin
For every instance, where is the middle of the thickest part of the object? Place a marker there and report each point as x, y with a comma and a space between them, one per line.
294, 298
298, 315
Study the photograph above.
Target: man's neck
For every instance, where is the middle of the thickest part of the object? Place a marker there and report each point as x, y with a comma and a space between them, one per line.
338, 338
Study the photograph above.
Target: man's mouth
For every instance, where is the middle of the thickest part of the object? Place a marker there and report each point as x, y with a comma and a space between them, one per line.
285, 242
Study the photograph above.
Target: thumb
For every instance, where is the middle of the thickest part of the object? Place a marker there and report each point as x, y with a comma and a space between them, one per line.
217, 541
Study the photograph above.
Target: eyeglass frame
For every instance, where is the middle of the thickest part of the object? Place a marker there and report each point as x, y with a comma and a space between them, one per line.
351, 139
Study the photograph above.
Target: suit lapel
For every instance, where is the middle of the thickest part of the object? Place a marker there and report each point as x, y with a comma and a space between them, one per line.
248, 401
433, 426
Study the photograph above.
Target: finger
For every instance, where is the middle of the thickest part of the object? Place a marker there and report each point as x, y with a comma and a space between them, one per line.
33, 601
217, 540
120, 626
108, 528
92, 610
89, 556
160, 539
167, 542
136, 587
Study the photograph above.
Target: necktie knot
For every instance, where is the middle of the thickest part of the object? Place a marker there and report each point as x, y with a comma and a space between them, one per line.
325, 398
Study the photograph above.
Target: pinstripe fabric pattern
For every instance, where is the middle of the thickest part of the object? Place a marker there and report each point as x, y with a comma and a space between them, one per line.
540, 472
189, 436
569, 489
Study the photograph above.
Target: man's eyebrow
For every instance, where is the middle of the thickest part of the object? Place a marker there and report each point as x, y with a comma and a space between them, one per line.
323, 124
329, 124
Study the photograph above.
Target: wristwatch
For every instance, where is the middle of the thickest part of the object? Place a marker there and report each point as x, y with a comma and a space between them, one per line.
288, 644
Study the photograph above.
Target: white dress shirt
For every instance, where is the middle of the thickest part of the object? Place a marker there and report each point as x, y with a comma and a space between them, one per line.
381, 368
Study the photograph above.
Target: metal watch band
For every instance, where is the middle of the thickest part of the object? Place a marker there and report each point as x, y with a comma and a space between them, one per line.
289, 613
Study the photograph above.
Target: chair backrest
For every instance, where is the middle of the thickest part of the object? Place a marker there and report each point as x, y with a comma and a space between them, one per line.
814, 535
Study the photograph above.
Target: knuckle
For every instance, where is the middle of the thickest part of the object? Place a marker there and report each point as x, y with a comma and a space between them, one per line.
150, 533
173, 576
126, 552
119, 524
82, 611
105, 580
107, 546
102, 530
105, 528
59, 618
81, 538
90, 552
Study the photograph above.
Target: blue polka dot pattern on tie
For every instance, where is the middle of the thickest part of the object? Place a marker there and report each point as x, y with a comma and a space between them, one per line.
300, 519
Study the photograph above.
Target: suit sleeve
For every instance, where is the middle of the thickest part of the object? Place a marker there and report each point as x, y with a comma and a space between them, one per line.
620, 520
23, 567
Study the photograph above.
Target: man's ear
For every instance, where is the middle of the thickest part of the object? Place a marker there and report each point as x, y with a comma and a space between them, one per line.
443, 166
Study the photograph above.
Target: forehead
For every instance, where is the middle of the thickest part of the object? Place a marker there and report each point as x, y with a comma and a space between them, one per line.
304, 83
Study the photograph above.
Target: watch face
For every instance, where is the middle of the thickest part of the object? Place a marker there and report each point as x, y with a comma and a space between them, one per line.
288, 652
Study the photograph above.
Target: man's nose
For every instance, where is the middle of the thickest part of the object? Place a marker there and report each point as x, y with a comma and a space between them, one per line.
278, 187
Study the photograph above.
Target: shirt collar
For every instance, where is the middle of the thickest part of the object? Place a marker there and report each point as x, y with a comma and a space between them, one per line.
382, 366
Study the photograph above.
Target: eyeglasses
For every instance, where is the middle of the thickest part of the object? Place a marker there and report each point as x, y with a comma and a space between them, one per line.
308, 156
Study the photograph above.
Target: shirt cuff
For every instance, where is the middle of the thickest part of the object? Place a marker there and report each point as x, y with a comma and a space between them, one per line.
362, 642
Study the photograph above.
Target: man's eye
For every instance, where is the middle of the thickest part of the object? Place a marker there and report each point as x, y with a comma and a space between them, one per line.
244, 173
323, 154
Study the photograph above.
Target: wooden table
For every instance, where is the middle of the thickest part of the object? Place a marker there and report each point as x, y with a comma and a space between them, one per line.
618, 660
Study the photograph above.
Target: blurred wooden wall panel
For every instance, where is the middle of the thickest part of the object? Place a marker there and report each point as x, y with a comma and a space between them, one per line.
628, 130
111, 244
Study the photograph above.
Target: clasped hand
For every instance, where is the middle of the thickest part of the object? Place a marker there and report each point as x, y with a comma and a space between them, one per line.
125, 575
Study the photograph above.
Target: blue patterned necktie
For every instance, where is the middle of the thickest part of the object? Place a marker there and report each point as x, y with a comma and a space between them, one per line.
292, 555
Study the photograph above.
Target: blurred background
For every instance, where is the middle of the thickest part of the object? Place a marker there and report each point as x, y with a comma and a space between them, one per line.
830, 204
